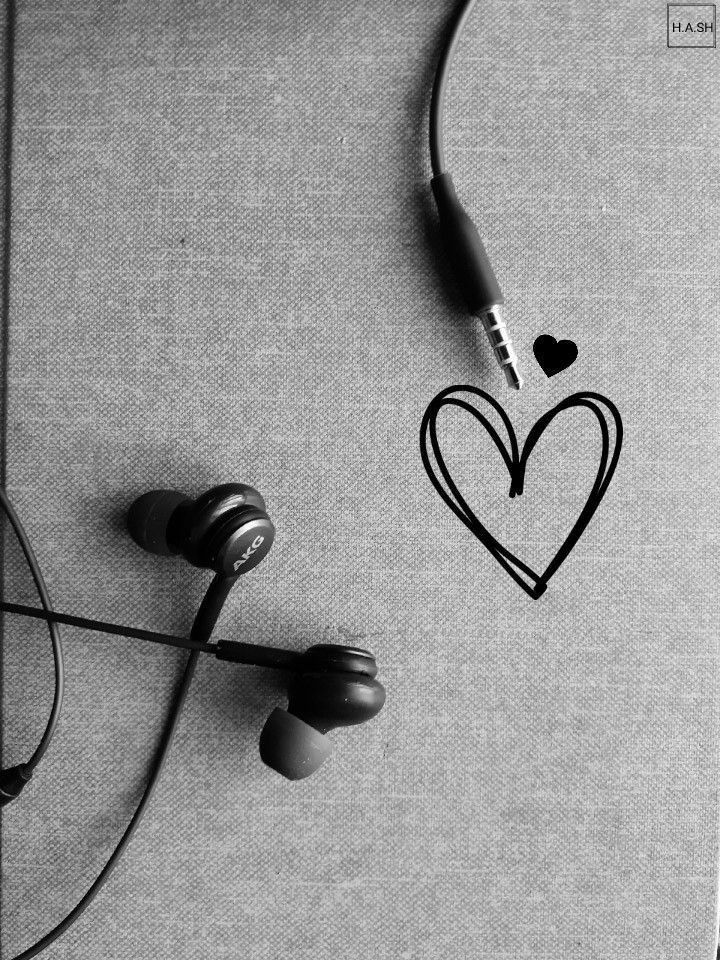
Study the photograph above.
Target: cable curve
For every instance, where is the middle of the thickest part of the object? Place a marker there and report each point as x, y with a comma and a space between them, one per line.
202, 628
437, 100
44, 596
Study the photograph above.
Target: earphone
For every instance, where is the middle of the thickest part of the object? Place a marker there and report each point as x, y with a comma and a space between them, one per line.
226, 530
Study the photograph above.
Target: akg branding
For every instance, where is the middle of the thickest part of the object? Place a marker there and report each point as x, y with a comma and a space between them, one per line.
258, 541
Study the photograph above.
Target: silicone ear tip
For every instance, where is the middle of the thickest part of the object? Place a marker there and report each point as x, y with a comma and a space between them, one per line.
148, 519
292, 747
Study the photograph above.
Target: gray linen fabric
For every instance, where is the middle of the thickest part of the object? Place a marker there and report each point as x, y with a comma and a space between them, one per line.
223, 268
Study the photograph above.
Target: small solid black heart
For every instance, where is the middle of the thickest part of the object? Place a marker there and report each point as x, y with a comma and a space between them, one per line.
554, 355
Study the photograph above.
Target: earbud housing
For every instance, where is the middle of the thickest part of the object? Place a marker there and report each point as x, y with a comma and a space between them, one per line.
332, 686
227, 529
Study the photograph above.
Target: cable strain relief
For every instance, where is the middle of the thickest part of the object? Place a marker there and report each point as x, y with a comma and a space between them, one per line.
443, 189
466, 253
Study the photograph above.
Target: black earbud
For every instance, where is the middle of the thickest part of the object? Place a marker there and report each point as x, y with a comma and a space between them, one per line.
332, 686
226, 529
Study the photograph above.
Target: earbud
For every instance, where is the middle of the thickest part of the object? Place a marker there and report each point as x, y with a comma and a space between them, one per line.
226, 529
332, 686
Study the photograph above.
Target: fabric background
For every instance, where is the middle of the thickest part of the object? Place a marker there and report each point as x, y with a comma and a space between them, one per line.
223, 267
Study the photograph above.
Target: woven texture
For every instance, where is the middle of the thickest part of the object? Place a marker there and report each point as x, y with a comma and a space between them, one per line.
223, 268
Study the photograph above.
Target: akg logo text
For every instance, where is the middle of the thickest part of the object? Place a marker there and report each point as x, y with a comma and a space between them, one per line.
258, 541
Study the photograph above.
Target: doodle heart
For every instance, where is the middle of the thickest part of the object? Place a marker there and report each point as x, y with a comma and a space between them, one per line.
453, 486
553, 355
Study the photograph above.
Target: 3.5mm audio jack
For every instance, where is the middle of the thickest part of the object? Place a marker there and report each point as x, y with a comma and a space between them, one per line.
491, 322
475, 276
464, 246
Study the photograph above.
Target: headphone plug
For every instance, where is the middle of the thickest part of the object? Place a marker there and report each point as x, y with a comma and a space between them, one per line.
493, 324
475, 276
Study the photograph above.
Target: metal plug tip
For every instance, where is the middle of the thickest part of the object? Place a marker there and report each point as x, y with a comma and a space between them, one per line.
492, 323
513, 377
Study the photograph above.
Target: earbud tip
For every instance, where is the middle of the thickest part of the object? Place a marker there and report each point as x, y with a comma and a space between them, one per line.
292, 747
149, 516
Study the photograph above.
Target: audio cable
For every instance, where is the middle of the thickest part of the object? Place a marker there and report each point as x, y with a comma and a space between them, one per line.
465, 249
330, 685
13, 780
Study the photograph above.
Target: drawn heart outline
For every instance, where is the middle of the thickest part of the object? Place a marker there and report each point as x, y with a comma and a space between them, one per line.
516, 463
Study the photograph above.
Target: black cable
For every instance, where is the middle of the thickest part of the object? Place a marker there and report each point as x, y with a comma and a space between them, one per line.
437, 101
202, 629
235, 651
92, 892
44, 596
101, 626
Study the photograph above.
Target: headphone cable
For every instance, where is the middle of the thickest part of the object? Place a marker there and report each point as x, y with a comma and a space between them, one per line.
464, 248
102, 626
437, 100
202, 629
26, 769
